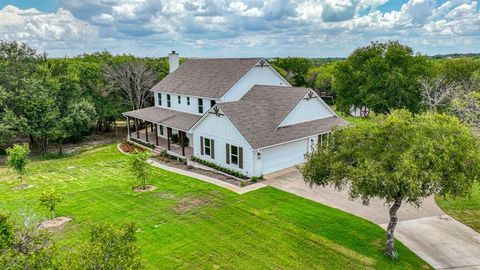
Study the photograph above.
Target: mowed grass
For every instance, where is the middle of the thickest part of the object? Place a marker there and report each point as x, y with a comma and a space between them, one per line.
189, 224
465, 210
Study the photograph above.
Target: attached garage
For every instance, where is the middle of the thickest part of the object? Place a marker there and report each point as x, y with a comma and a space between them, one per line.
283, 156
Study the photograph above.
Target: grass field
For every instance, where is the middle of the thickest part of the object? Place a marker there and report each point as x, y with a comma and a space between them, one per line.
189, 224
465, 210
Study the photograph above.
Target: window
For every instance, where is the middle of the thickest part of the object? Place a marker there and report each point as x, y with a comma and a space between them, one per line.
234, 154
188, 101
212, 103
179, 100
169, 103
159, 97
206, 147
323, 138
200, 105
161, 130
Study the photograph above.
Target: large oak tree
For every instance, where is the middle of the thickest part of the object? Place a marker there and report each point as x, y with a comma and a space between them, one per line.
400, 158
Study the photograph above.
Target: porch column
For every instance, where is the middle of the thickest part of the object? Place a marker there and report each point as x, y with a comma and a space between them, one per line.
169, 133
137, 127
129, 129
181, 141
146, 131
156, 134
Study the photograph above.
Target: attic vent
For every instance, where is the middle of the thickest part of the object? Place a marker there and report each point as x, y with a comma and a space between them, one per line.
262, 62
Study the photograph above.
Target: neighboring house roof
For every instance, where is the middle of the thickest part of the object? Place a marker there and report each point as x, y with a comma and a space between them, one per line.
170, 118
210, 78
258, 114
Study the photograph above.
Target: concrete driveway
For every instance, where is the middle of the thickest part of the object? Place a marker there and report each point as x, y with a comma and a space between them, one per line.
433, 235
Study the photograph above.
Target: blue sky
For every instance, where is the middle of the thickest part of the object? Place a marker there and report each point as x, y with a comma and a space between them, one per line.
240, 28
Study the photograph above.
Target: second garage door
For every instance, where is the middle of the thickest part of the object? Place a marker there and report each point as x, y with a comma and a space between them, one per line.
283, 156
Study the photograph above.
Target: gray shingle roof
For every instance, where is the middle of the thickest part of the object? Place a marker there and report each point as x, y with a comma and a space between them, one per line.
210, 78
170, 118
258, 114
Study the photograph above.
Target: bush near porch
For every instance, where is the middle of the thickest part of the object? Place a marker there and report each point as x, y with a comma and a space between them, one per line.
189, 224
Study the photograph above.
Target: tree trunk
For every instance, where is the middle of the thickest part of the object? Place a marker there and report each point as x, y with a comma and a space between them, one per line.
60, 149
115, 125
391, 226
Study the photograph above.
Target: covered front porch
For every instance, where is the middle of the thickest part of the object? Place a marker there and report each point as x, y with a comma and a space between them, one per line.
149, 135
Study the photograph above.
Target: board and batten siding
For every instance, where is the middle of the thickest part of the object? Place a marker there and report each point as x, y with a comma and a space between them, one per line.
222, 131
307, 110
258, 75
183, 105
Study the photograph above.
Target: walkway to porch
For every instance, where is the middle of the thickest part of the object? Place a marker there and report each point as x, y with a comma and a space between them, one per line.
175, 149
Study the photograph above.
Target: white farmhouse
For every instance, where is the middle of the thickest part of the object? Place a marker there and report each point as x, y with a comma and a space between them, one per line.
238, 113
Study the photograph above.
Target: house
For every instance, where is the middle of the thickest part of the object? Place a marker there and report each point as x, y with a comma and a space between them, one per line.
238, 113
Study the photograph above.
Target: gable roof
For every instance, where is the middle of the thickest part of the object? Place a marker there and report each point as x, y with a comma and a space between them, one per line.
258, 114
210, 78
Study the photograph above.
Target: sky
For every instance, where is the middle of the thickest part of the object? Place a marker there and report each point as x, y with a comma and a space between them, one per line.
240, 28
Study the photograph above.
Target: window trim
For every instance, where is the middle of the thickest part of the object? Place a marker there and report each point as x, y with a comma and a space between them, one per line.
209, 147
200, 105
237, 156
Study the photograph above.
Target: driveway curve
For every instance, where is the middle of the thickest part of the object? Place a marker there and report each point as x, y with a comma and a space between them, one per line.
433, 235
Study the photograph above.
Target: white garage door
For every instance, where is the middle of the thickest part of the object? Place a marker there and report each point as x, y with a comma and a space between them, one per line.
283, 156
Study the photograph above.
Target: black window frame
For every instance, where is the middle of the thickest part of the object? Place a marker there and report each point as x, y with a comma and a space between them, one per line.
200, 105
169, 101
188, 101
159, 98
179, 100
212, 103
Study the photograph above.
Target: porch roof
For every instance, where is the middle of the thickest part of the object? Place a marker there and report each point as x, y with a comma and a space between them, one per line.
170, 118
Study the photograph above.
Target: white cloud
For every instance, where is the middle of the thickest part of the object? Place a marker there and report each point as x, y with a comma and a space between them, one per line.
235, 27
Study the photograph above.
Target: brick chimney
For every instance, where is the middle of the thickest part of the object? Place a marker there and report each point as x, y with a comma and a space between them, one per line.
173, 61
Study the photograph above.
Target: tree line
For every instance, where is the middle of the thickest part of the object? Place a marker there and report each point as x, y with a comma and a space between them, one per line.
61, 99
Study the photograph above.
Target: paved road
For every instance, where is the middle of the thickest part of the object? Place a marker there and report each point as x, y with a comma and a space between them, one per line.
434, 236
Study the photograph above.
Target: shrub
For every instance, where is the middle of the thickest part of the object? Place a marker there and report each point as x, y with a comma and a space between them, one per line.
220, 168
174, 138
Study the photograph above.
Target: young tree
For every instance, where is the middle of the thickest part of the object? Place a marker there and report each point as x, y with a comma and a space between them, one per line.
18, 159
50, 199
381, 76
400, 158
140, 167
109, 248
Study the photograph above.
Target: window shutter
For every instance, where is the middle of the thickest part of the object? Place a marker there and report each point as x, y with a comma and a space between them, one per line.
240, 157
201, 145
227, 151
212, 149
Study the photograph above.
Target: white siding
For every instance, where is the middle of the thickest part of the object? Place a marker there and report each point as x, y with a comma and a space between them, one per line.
183, 105
265, 75
222, 131
307, 110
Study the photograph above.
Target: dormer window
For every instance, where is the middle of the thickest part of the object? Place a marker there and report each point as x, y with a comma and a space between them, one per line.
212, 103
179, 100
169, 102
200, 105
188, 101
159, 97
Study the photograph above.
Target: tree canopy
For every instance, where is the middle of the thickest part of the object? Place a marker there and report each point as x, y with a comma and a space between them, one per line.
400, 158
381, 76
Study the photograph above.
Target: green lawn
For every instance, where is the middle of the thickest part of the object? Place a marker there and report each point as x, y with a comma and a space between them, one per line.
466, 210
189, 224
